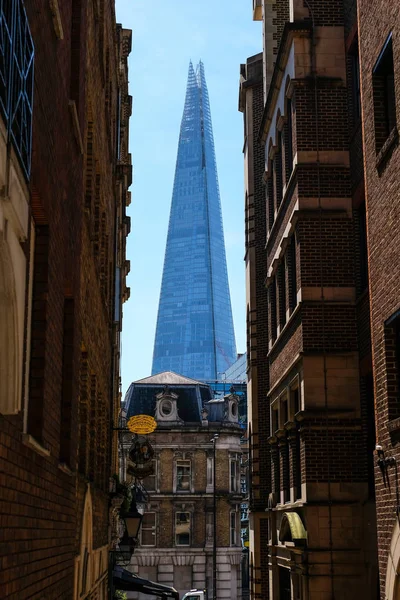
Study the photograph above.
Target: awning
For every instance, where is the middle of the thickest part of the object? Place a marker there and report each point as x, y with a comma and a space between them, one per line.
126, 581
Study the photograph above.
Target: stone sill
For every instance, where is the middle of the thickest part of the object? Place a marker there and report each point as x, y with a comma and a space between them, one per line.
30, 441
386, 151
65, 469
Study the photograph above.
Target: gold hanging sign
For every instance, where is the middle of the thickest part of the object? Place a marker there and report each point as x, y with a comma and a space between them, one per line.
142, 424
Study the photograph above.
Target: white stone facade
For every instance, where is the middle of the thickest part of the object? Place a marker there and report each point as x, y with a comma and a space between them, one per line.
188, 570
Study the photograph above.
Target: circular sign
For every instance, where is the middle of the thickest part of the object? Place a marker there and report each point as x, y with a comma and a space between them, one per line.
141, 451
142, 424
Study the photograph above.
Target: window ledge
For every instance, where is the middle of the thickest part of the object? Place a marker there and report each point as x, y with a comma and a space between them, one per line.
30, 441
289, 321
386, 151
65, 469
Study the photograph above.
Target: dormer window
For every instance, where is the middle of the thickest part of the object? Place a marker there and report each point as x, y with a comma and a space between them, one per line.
234, 409
166, 407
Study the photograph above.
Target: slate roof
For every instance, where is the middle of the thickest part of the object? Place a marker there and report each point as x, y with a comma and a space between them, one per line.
192, 395
169, 378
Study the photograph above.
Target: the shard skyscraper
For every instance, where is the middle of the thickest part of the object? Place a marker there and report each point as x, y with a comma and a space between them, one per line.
195, 335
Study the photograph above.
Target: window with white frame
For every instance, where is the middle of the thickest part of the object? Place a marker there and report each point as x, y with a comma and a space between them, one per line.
209, 471
233, 475
183, 475
150, 482
148, 530
233, 528
182, 529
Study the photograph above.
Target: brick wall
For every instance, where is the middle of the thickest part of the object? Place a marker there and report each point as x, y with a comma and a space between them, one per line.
376, 19
45, 466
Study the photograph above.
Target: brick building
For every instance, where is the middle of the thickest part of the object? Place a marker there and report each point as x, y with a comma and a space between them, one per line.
177, 534
310, 396
379, 51
64, 175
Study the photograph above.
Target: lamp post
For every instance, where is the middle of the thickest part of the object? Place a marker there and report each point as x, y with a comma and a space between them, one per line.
214, 441
133, 520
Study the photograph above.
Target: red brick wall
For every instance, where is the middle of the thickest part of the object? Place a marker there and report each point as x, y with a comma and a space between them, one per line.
376, 19
40, 535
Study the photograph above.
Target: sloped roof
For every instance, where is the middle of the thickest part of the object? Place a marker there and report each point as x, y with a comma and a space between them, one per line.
168, 378
192, 395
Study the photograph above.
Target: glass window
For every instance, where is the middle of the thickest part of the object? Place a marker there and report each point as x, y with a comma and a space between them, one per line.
148, 529
233, 477
149, 482
233, 528
384, 94
182, 529
183, 475
209, 471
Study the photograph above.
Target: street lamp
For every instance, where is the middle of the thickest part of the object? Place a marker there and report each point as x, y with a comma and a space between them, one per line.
133, 521
214, 441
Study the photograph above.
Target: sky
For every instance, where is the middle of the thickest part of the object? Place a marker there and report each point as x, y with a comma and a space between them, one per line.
166, 35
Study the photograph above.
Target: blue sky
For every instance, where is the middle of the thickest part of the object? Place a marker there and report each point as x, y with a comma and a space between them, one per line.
166, 35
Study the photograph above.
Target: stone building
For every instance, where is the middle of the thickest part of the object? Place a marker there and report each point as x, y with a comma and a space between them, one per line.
64, 176
177, 534
311, 412
379, 51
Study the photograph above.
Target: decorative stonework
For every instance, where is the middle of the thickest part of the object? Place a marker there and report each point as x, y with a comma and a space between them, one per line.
182, 560
166, 407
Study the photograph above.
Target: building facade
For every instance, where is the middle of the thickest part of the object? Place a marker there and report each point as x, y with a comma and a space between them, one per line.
379, 51
195, 332
311, 415
64, 176
251, 103
179, 532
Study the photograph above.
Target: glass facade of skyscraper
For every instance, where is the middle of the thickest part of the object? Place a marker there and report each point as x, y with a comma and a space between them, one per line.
195, 335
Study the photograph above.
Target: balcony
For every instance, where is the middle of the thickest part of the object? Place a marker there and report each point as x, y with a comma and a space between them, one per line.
257, 10
16, 79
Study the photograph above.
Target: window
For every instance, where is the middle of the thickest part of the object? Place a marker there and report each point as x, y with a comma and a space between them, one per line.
281, 281
274, 419
210, 479
272, 310
363, 250
384, 95
149, 482
183, 475
182, 529
67, 379
296, 448
288, 141
270, 201
355, 84
233, 528
39, 332
292, 273
284, 412
166, 408
392, 351
233, 475
294, 401
278, 170
16, 73
148, 530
